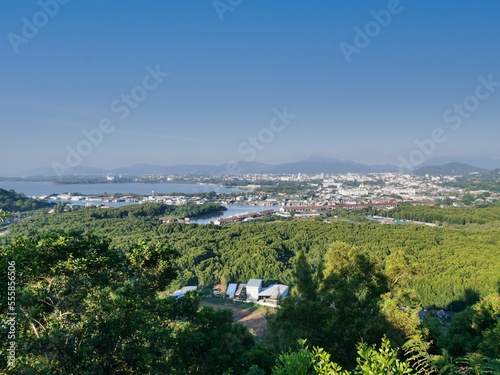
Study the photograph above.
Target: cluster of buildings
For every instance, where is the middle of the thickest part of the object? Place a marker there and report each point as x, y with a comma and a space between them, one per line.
357, 188
153, 198
352, 188
252, 291
327, 207
312, 196
243, 217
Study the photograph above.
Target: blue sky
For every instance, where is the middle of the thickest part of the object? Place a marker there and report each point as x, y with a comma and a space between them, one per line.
227, 76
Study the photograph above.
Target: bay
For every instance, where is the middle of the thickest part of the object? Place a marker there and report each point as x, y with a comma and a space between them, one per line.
233, 210
46, 188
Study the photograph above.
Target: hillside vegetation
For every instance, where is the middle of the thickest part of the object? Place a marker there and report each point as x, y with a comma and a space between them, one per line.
488, 180
77, 305
449, 215
458, 266
13, 202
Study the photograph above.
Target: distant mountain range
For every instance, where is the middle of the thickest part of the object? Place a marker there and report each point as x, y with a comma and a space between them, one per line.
477, 161
450, 169
311, 165
314, 165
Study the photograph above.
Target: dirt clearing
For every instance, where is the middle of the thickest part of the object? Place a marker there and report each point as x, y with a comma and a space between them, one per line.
253, 316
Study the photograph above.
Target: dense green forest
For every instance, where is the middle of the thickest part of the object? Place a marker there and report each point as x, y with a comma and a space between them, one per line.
457, 266
154, 211
13, 202
451, 215
84, 306
88, 304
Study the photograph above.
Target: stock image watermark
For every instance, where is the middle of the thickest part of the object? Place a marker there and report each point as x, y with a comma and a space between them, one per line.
122, 107
253, 144
363, 36
30, 26
454, 116
223, 6
10, 324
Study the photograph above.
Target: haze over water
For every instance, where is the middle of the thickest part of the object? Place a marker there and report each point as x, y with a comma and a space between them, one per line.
46, 188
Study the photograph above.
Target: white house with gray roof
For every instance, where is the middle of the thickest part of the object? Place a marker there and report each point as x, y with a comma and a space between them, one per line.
254, 287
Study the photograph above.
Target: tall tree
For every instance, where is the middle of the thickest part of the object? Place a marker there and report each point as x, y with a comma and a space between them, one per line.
352, 288
303, 283
223, 285
344, 311
84, 307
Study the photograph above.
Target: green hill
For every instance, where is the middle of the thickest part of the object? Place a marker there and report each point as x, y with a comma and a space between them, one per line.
454, 262
13, 202
450, 169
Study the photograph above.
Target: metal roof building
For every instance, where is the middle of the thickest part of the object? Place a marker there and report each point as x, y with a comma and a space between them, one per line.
240, 289
231, 290
274, 291
181, 292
